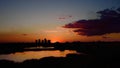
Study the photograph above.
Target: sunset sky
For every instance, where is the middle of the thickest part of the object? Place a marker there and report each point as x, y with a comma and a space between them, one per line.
27, 20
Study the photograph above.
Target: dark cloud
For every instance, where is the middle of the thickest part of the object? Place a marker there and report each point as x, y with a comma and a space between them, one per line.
109, 22
24, 34
65, 17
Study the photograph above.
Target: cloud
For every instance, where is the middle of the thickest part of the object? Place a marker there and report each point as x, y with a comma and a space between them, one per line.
65, 17
24, 34
50, 31
109, 22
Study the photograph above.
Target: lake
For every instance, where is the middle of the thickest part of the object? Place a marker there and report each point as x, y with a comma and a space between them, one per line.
27, 55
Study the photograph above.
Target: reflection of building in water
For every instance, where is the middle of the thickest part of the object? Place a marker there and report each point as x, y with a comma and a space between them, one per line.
42, 42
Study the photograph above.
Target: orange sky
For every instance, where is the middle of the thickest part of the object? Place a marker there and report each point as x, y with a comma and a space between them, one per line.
60, 36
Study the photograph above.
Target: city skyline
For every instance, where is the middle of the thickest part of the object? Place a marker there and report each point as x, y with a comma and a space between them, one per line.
27, 20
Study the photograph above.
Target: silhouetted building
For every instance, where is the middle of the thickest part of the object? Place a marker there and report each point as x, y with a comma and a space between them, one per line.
36, 41
39, 41
49, 41
43, 42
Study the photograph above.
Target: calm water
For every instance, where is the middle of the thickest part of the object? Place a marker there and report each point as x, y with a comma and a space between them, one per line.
22, 56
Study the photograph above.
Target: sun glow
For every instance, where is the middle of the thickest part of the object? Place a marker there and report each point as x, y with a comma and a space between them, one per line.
55, 39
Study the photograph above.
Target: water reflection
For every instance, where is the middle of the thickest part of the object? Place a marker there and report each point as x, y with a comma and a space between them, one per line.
41, 47
21, 56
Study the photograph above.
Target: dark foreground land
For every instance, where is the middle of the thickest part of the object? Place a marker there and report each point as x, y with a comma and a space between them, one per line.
96, 55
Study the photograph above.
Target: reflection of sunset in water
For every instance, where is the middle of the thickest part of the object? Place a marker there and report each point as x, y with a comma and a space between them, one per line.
21, 56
